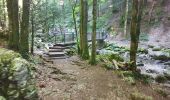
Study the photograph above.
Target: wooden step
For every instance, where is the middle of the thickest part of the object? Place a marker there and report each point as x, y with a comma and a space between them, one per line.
58, 47
53, 58
56, 54
65, 44
55, 50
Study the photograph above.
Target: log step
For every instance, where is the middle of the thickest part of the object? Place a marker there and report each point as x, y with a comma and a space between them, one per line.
56, 54
58, 47
65, 44
55, 50
52, 58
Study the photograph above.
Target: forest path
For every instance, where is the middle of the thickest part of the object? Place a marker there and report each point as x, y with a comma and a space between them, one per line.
73, 79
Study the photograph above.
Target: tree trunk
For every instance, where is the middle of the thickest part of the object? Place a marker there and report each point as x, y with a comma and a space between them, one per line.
12, 7
85, 54
32, 36
93, 52
126, 18
75, 26
81, 25
135, 31
24, 44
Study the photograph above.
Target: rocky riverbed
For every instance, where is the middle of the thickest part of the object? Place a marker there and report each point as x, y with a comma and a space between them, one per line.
151, 60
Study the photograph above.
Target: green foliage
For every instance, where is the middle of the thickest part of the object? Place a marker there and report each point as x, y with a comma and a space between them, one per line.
142, 50
161, 79
161, 92
131, 77
2, 98
139, 96
110, 57
71, 52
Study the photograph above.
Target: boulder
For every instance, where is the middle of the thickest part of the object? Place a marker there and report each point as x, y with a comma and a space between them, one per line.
16, 78
157, 48
159, 55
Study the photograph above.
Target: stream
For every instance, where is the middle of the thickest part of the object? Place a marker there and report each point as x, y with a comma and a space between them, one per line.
152, 61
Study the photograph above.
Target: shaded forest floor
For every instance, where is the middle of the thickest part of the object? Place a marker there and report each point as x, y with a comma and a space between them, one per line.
73, 79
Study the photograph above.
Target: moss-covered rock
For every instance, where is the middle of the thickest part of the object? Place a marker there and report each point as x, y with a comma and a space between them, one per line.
16, 81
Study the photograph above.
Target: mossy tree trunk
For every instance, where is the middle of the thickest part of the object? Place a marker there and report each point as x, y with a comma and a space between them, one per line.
81, 26
85, 53
24, 43
93, 52
32, 29
135, 31
12, 7
126, 18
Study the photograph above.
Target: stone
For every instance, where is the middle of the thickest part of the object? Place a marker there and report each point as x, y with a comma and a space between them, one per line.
152, 71
140, 64
159, 55
157, 48
16, 79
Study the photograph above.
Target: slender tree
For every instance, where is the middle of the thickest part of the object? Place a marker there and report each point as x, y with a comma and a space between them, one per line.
12, 7
126, 18
135, 30
75, 24
81, 25
24, 44
93, 52
32, 29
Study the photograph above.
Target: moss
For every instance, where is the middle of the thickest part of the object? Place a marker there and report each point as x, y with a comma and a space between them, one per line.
130, 80
161, 92
141, 50
161, 79
131, 77
2, 98
139, 96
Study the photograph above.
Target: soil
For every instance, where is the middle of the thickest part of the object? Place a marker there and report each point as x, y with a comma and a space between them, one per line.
74, 79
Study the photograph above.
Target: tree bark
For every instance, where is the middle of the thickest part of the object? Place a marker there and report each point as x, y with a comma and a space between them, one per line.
85, 54
24, 44
93, 52
81, 26
32, 36
12, 7
126, 18
135, 30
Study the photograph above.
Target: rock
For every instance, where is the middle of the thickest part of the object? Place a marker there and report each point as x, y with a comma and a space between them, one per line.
167, 63
150, 46
16, 79
152, 71
140, 64
157, 48
159, 55
20, 71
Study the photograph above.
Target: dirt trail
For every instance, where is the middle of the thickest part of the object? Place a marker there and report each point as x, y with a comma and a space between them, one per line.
72, 79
